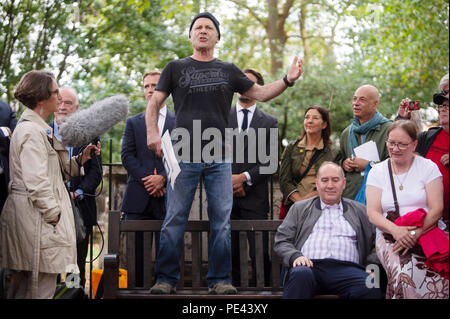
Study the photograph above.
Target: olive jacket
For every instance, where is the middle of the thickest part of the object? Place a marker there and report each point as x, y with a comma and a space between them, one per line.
292, 160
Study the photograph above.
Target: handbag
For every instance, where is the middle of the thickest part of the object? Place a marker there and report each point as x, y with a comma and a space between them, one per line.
80, 228
284, 209
393, 215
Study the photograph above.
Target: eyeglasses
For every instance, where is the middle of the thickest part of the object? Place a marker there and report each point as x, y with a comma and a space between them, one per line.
401, 146
445, 92
441, 108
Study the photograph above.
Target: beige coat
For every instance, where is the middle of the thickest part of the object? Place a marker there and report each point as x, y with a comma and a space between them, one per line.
37, 196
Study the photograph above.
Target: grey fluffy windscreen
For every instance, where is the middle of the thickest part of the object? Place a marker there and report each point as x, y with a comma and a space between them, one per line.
85, 125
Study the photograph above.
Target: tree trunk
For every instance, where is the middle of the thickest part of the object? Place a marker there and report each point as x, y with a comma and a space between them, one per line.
275, 42
304, 36
276, 32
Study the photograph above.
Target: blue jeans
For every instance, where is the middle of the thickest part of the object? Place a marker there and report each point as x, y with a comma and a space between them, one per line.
219, 195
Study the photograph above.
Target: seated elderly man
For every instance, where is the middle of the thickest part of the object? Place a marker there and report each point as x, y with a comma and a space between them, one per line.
325, 241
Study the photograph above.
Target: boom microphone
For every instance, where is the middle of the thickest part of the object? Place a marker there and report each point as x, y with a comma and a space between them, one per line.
84, 126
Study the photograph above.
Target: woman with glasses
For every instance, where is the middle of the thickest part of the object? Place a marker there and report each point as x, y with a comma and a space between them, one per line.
417, 185
37, 230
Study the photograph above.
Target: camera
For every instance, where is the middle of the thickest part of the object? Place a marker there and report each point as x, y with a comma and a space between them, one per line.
414, 105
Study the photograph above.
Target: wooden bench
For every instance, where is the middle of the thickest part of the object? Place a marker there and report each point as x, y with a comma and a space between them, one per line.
192, 284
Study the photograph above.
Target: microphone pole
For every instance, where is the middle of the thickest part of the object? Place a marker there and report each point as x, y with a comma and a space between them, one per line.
91, 240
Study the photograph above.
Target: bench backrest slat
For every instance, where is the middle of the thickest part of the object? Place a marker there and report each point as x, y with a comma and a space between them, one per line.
243, 262
131, 253
114, 232
148, 258
259, 259
276, 263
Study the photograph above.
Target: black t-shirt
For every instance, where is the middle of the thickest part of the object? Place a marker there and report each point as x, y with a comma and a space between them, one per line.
202, 91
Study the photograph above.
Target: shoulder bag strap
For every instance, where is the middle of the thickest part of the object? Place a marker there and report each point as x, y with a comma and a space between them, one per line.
310, 164
393, 186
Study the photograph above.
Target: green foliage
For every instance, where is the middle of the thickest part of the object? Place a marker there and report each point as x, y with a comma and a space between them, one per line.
407, 47
103, 47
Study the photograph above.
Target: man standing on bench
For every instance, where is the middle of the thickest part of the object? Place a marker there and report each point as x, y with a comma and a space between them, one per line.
202, 89
326, 241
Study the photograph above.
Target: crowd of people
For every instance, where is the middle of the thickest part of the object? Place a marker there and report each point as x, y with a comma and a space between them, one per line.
329, 235
409, 179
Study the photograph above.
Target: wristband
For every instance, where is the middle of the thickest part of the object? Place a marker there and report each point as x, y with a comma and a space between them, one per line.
289, 84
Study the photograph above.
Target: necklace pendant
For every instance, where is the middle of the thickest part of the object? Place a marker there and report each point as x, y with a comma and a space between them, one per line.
401, 187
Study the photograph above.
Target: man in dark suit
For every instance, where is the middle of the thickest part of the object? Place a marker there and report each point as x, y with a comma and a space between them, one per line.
250, 186
82, 188
8, 123
144, 197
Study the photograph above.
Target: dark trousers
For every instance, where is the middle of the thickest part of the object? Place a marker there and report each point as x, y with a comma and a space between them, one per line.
148, 214
82, 250
240, 213
329, 276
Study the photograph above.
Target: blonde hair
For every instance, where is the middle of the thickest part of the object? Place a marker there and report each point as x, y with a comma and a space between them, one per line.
152, 72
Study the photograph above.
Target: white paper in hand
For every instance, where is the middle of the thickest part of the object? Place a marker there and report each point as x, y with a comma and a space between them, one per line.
368, 151
169, 159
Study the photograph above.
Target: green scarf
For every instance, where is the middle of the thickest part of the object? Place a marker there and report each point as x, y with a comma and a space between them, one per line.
357, 128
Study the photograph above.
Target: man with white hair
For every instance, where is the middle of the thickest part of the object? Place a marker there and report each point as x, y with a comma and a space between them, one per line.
82, 188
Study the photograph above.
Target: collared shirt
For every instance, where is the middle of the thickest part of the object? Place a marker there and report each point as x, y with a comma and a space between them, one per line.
240, 114
332, 236
162, 119
79, 191
240, 119
58, 136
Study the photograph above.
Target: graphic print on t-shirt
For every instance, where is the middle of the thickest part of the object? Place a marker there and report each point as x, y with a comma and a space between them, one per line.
202, 80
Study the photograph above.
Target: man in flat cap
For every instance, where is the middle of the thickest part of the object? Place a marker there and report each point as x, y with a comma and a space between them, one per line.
202, 89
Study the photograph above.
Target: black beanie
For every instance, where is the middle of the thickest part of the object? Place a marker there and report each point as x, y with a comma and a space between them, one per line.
205, 15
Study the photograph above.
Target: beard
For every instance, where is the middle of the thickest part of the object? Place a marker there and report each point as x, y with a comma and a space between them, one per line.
244, 99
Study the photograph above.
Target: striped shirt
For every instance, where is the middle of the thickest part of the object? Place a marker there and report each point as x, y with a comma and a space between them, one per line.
332, 236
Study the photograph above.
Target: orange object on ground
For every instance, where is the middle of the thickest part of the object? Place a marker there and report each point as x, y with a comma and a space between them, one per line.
97, 275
